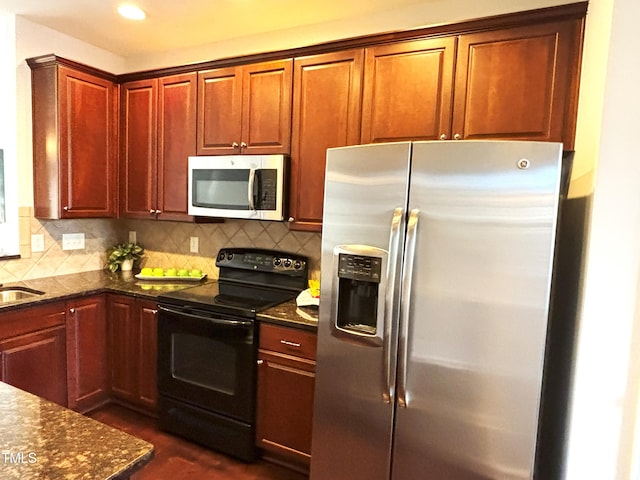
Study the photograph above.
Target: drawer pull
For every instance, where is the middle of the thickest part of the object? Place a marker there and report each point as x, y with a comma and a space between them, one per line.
290, 344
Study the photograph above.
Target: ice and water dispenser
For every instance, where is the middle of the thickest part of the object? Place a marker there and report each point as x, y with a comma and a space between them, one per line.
360, 286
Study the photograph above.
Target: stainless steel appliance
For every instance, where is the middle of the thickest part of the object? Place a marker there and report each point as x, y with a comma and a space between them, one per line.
437, 261
239, 186
207, 347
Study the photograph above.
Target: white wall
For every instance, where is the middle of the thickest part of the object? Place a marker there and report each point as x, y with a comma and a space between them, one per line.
606, 389
420, 14
9, 244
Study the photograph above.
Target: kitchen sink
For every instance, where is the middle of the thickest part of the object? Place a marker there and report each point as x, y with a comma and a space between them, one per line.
12, 294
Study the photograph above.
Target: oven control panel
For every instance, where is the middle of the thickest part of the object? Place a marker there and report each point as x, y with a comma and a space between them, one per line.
262, 261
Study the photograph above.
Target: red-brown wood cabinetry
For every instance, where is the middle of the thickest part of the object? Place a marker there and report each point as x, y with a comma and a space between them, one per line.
158, 134
518, 83
132, 327
327, 96
286, 381
407, 90
75, 143
33, 351
245, 109
87, 366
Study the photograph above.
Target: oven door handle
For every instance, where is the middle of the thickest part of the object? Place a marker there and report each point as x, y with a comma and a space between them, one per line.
217, 321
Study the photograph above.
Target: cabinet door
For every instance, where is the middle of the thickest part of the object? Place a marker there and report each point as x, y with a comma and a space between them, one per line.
266, 107
407, 91
138, 155
88, 146
123, 347
327, 94
147, 316
87, 353
518, 83
176, 142
219, 111
285, 407
36, 362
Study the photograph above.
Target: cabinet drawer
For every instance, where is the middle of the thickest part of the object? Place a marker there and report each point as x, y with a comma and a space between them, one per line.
288, 340
31, 319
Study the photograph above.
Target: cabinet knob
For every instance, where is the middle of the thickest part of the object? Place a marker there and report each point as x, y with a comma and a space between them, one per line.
158, 212
154, 312
72, 310
291, 219
235, 145
65, 208
457, 136
243, 144
260, 362
443, 136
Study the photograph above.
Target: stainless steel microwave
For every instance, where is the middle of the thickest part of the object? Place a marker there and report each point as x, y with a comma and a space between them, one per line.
239, 186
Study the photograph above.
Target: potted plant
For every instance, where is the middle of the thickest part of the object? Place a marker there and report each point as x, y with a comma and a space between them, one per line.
123, 256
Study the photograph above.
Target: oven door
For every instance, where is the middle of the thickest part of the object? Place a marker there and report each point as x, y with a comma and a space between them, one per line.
207, 360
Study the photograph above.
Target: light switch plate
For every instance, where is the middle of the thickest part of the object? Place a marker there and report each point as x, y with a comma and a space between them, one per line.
132, 236
72, 241
194, 245
37, 243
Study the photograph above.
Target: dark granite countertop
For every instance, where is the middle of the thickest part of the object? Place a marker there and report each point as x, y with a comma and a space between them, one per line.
42, 440
289, 314
75, 285
89, 283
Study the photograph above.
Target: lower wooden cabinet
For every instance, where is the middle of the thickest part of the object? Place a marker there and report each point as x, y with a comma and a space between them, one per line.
33, 351
286, 380
132, 325
88, 387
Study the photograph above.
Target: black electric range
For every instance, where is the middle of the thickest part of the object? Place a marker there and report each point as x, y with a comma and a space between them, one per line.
208, 342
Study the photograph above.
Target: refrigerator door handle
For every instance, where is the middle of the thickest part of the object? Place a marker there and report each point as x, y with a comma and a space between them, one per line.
390, 303
405, 309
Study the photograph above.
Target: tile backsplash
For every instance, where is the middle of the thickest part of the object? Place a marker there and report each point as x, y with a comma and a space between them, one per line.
166, 244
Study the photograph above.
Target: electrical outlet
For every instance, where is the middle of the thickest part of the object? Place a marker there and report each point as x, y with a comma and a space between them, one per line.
72, 241
37, 243
194, 245
132, 236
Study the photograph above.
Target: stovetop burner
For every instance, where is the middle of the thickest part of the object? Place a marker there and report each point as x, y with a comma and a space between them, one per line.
251, 280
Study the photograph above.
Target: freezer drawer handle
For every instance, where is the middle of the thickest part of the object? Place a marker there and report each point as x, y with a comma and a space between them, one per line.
290, 344
405, 309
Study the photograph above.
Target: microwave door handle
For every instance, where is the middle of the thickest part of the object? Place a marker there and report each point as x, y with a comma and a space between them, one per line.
252, 181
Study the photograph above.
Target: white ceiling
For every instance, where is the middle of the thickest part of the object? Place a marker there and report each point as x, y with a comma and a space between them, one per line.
174, 24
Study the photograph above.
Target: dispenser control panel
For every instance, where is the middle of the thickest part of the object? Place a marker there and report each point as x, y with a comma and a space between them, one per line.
360, 267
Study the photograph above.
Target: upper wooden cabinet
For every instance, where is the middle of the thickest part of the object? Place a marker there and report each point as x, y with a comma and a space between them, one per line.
75, 143
327, 93
408, 90
518, 83
515, 83
245, 109
158, 133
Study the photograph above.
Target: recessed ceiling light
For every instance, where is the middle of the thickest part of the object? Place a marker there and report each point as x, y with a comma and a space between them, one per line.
131, 12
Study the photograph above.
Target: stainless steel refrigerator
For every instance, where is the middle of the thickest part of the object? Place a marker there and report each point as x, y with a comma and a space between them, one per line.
437, 261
